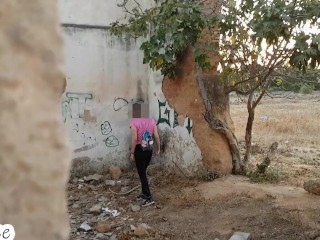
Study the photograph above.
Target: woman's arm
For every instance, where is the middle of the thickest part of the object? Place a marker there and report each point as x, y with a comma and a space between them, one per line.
157, 138
133, 142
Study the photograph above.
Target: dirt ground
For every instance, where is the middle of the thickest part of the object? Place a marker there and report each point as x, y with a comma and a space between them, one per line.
195, 209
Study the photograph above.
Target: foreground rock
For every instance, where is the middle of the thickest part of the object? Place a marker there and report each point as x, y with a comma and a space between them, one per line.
115, 172
103, 228
96, 209
312, 186
240, 236
135, 208
85, 227
141, 230
94, 178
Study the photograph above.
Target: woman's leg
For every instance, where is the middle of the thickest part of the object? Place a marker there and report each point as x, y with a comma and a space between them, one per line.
142, 160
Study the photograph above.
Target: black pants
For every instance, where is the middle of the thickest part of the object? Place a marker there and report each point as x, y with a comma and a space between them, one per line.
142, 159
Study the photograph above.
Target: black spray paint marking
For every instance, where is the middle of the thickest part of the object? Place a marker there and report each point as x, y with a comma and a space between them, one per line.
106, 128
112, 141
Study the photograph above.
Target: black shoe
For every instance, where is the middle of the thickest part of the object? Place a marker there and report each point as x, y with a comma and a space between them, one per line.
147, 202
141, 197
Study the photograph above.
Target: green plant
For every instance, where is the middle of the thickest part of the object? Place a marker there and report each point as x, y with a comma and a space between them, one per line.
271, 175
169, 27
307, 88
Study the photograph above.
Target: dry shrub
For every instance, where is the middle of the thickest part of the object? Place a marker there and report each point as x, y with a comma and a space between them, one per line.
186, 198
271, 175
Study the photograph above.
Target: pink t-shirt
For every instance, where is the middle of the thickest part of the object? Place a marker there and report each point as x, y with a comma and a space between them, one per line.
143, 124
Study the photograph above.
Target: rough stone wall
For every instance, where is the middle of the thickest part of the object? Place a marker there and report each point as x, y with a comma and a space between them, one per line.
34, 158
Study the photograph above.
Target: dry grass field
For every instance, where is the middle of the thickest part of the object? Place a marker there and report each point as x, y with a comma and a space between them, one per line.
295, 119
292, 122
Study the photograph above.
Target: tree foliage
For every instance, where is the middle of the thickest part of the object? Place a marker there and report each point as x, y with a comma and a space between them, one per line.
254, 32
168, 28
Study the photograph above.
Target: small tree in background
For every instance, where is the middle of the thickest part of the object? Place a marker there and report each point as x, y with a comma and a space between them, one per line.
257, 40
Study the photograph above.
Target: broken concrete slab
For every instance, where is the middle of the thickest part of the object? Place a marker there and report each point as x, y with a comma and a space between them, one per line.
96, 209
95, 177
85, 227
240, 236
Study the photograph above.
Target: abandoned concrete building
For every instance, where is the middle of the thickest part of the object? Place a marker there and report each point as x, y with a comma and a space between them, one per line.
104, 75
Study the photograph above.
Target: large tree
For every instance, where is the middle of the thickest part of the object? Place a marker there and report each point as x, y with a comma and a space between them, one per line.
254, 39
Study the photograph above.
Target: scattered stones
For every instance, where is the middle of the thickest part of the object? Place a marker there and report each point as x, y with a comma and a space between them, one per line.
111, 183
75, 205
103, 199
132, 227
124, 189
140, 231
101, 236
144, 225
113, 213
115, 172
125, 182
96, 209
113, 237
240, 236
85, 227
135, 208
312, 186
94, 178
103, 228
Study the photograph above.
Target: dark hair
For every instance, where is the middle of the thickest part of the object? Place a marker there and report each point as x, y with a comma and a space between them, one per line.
136, 110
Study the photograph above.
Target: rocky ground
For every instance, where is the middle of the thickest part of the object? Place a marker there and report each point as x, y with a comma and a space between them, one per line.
191, 209
197, 209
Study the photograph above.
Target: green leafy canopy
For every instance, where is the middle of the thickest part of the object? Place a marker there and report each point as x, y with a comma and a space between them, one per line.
168, 27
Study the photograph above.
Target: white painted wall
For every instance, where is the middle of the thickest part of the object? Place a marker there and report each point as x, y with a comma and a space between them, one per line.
104, 75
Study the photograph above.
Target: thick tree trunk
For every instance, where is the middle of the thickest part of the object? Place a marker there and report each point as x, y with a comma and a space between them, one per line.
202, 97
214, 94
218, 114
185, 95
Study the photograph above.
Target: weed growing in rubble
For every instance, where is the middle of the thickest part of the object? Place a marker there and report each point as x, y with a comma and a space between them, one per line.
271, 175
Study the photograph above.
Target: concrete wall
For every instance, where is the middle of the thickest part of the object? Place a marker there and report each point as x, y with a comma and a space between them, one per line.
104, 75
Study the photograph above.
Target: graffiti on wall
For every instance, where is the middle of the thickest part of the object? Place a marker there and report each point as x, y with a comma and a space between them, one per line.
172, 118
120, 103
75, 105
83, 136
111, 140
